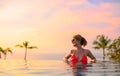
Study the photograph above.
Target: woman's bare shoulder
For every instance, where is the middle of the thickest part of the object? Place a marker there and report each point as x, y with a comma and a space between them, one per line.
87, 51
72, 51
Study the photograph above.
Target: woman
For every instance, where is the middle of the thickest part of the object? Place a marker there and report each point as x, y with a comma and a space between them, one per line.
78, 56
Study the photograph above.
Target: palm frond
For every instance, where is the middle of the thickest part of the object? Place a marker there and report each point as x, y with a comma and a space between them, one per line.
9, 50
32, 47
97, 44
25, 43
96, 47
18, 45
1, 50
101, 41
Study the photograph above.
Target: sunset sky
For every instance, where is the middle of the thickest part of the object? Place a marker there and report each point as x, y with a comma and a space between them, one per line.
51, 24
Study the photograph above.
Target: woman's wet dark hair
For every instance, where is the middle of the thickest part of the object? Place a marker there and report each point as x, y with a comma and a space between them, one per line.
82, 40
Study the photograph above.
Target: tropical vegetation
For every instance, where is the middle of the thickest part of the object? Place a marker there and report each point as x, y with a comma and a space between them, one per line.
114, 50
5, 51
101, 42
26, 46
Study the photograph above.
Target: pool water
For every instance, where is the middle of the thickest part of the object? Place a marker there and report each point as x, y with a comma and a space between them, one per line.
56, 68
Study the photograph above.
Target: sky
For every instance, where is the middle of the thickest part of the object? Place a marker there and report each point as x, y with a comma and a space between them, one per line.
51, 24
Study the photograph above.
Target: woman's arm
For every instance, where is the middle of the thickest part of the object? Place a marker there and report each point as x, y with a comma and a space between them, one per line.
67, 56
90, 55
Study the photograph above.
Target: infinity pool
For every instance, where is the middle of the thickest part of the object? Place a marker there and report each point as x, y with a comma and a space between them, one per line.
55, 68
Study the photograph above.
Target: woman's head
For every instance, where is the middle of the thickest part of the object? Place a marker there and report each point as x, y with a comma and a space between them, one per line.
79, 38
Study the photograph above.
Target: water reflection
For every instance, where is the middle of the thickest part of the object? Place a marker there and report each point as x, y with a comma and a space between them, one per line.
56, 68
26, 64
80, 70
77, 72
97, 69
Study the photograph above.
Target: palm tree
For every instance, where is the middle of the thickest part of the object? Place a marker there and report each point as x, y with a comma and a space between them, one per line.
114, 50
26, 46
101, 42
5, 51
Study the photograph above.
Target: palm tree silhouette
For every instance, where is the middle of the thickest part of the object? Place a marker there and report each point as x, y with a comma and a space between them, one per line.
26, 46
101, 42
5, 51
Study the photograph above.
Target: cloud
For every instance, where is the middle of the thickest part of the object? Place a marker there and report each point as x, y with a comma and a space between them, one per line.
51, 24
99, 2
95, 2
52, 16
112, 1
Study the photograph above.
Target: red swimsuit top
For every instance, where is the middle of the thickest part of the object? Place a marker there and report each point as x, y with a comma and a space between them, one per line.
74, 59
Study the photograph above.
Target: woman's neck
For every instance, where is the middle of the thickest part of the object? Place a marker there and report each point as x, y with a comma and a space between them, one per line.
79, 48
